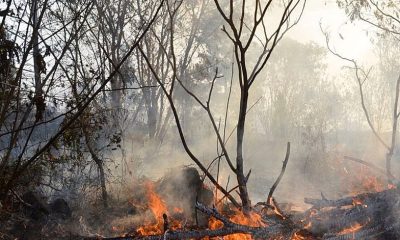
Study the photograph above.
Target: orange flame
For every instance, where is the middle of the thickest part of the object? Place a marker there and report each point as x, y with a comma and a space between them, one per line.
353, 229
158, 208
156, 204
357, 201
117, 228
298, 236
373, 183
178, 210
364, 181
252, 219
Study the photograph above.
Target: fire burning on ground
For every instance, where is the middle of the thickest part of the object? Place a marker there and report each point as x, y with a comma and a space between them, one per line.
164, 219
251, 219
352, 217
151, 213
160, 212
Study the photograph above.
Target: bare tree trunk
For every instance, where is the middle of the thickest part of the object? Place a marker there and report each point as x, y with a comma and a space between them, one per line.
115, 82
242, 181
38, 64
151, 110
100, 167
87, 137
389, 155
152, 118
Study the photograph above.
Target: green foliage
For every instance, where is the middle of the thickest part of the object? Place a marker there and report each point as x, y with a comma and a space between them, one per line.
383, 14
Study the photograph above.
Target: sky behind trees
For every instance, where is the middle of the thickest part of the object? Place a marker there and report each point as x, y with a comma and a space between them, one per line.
353, 39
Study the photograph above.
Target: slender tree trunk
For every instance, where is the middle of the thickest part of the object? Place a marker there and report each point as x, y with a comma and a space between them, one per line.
241, 178
151, 112
116, 80
96, 159
38, 63
100, 167
389, 154
102, 178
152, 121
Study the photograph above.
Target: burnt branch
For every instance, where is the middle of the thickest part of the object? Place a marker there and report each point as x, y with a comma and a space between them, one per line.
271, 191
368, 164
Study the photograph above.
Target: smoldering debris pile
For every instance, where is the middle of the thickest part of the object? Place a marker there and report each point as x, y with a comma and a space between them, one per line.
364, 216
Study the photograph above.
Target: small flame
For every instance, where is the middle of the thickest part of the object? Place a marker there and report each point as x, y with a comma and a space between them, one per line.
298, 236
251, 219
357, 201
373, 183
118, 228
213, 223
364, 181
353, 229
178, 210
308, 225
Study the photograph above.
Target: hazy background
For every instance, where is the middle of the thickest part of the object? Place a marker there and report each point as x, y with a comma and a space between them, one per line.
305, 96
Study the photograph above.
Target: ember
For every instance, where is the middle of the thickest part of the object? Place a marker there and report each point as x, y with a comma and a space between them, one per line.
352, 230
